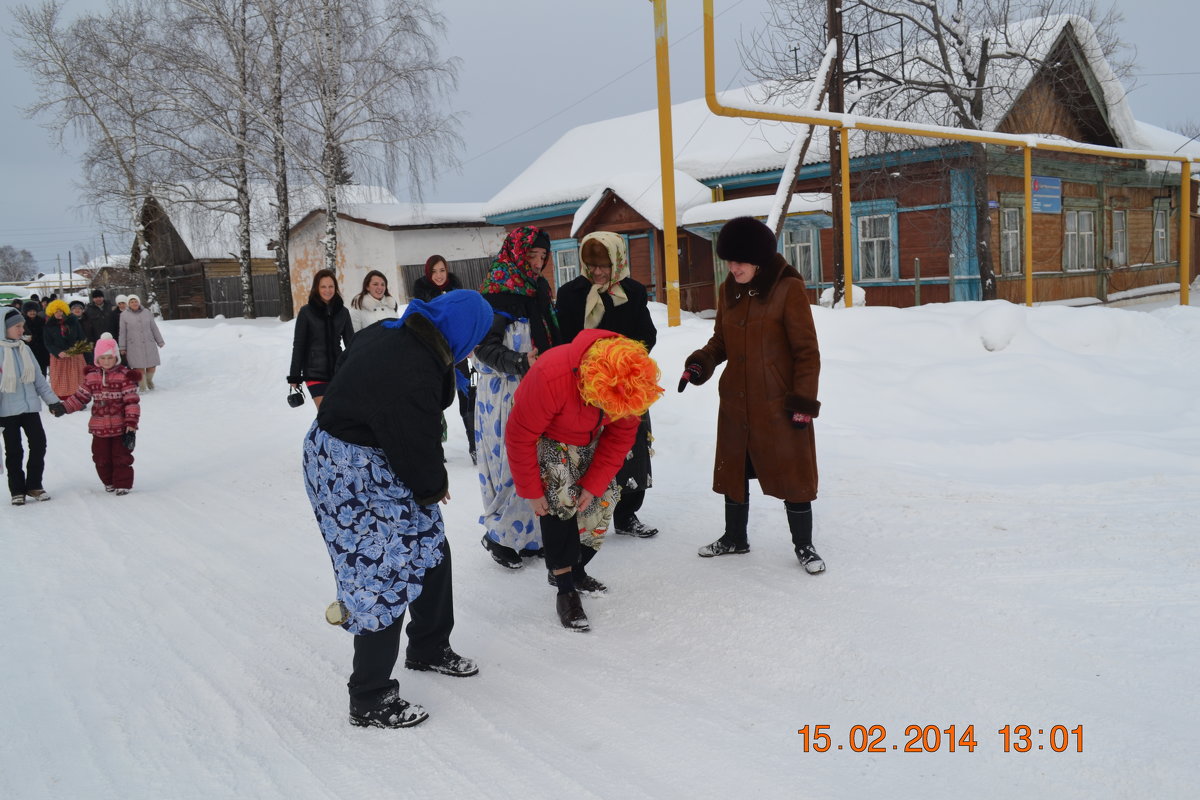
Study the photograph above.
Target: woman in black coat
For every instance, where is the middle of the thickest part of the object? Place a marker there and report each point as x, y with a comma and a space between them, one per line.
322, 326
35, 324
437, 280
604, 296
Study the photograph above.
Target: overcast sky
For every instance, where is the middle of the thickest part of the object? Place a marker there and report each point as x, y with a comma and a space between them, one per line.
533, 69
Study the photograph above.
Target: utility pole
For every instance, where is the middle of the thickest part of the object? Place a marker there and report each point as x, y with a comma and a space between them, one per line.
833, 18
666, 149
104, 247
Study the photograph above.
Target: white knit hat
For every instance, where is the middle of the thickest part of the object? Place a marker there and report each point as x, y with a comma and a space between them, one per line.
121, 299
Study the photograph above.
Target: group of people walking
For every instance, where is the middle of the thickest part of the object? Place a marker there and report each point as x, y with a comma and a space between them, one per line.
560, 426
101, 355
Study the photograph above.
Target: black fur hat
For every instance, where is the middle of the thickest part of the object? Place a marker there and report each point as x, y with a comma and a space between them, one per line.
747, 240
542, 240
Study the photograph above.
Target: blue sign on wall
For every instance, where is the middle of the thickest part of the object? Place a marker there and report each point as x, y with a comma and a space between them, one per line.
1047, 195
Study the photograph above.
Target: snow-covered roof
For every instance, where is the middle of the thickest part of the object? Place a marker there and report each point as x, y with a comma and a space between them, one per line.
412, 215
584, 160
642, 191
101, 262
1031, 42
757, 206
65, 280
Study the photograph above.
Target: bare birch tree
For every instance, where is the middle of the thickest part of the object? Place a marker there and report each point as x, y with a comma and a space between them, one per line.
91, 79
378, 84
206, 73
944, 62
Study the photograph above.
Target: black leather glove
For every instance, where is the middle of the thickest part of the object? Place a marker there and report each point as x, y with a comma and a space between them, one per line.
690, 375
129, 439
57, 409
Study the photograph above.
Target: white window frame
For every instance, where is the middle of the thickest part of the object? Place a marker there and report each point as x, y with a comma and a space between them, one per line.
1012, 257
565, 269
879, 246
1120, 238
1079, 240
1162, 235
802, 249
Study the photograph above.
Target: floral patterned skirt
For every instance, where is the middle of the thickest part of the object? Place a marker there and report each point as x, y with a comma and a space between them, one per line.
380, 540
562, 466
507, 518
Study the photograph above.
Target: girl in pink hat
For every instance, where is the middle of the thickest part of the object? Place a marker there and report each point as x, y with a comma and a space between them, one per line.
115, 413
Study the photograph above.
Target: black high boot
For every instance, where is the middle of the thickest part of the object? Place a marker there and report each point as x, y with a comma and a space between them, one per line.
800, 523
734, 540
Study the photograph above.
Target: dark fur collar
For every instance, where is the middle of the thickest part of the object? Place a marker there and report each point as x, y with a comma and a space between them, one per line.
761, 284
431, 337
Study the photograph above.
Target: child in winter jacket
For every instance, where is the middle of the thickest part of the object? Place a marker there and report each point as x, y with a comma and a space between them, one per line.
21, 385
115, 414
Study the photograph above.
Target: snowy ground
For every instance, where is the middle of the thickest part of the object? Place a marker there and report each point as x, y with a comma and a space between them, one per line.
1008, 510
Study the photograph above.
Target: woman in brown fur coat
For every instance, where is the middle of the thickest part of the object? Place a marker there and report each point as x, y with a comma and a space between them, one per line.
768, 392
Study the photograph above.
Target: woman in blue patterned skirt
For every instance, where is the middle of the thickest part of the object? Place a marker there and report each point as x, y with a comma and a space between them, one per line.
374, 472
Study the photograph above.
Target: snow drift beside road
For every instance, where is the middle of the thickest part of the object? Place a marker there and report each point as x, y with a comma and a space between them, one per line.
1008, 511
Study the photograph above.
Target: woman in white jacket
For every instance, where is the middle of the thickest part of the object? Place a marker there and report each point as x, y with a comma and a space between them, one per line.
373, 303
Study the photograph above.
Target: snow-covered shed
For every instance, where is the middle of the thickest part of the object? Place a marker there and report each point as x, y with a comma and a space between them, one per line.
381, 233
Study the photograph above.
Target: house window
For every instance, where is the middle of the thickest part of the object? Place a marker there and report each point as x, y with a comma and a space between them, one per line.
802, 249
1011, 260
1162, 250
875, 247
1120, 241
566, 262
1079, 240
720, 268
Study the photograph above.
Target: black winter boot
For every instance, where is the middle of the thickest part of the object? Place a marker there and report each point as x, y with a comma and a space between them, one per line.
800, 523
734, 540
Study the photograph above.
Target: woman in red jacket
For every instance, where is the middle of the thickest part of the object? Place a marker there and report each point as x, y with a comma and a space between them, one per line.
574, 418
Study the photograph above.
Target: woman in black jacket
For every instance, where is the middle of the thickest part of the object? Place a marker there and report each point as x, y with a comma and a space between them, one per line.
604, 296
322, 326
374, 472
35, 324
437, 280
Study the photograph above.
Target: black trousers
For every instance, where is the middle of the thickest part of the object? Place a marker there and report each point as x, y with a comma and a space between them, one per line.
431, 618
24, 477
629, 504
560, 543
466, 406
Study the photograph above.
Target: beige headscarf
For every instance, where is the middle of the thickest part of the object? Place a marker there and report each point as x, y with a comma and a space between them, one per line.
593, 310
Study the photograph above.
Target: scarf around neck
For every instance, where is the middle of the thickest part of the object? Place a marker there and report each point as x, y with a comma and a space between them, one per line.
594, 307
11, 350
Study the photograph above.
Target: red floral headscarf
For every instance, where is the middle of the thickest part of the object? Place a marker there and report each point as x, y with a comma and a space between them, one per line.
509, 272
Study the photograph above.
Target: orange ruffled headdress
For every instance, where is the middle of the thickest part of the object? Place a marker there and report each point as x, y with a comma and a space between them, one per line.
618, 376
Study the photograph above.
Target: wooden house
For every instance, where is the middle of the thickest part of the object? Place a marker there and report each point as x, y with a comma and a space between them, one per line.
1103, 228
